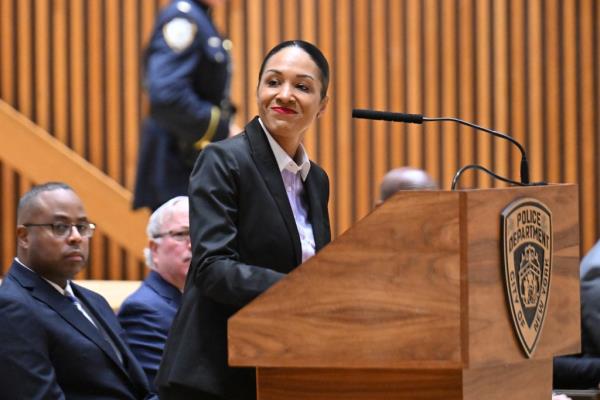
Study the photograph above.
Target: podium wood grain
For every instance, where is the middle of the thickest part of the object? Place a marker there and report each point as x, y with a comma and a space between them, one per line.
412, 300
491, 335
358, 384
361, 301
520, 381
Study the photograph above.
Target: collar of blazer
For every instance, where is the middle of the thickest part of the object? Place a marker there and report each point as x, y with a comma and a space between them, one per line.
163, 288
43, 292
267, 165
317, 202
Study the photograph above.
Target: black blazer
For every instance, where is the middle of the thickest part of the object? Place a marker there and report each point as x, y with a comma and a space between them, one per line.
51, 351
146, 316
244, 240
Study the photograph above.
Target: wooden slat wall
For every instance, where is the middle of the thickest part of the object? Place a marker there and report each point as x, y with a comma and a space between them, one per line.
74, 71
530, 68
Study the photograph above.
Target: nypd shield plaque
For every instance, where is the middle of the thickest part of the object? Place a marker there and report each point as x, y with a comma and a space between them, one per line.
527, 250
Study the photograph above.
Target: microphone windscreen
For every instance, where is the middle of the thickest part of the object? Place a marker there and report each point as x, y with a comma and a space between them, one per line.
366, 114
387, 116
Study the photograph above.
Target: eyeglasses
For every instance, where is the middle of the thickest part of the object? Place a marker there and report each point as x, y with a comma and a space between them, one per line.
179, 236
62, 230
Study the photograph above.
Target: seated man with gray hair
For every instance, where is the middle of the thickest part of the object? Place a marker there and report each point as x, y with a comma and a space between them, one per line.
147, 314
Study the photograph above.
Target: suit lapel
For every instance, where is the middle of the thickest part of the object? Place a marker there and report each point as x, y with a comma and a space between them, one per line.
163, 288
315, 212
267, 165
103, 314
94, 308
42, 291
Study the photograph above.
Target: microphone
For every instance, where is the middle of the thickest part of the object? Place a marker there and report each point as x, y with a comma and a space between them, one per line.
387, 116
419, 119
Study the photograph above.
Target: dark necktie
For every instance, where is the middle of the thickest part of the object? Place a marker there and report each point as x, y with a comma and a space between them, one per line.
97, 325
80, 308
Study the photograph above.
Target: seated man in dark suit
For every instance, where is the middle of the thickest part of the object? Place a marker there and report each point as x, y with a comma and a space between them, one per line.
59, 340
147, 314
582, 371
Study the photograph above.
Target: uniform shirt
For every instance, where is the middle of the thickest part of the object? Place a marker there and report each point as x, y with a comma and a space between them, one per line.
187, 75
293, 173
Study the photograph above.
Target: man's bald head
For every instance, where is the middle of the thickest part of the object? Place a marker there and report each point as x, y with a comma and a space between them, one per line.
46, 241
405, 178
27, 203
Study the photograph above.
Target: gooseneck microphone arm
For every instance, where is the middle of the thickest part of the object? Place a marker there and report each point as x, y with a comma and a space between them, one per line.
524, 162
419, 119
480, 168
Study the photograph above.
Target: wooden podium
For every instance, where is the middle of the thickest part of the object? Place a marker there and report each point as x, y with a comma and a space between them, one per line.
410, 303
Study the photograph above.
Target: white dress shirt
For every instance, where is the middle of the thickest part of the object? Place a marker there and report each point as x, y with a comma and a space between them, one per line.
294, 172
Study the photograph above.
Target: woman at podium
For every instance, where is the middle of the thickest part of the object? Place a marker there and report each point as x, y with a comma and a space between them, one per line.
258, 209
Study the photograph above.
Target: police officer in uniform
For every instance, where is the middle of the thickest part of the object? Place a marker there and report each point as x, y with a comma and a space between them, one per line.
187, 75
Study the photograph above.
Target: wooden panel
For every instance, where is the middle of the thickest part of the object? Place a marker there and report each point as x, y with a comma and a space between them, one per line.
362, 129
397, 81
414, 74
552, 85
134, 267
148, 14
94, 188
587, 167
404, 267
528, 68
527, 380
596, 106
379, 136
7, 50
342, 180
42, 72
570, 105
254, 54
25, 56
60, 76
357, 384
97, 257
77, 78
431, 87
325, 130
272, 32
238, 54
489, 316
501, 89
131, 74
97, 120
219, 17
533, 380
290, 18
449, 86
518, 74
113, 88
466, 88
534, 88
308, 31
9, 221
483, 84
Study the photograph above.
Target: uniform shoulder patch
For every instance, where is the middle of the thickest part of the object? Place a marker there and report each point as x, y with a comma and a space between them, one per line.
179, 33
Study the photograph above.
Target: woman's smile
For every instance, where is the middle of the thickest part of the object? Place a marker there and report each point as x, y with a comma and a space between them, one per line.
283, 110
